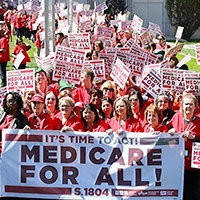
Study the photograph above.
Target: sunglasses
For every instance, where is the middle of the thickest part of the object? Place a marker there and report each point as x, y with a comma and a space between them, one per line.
109, 89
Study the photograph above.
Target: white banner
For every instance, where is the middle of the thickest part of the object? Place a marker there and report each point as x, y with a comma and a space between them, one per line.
77, 165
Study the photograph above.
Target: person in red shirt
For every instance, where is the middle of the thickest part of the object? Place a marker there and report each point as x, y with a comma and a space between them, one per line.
154, 117
91, 120
38, 40
21, 47
82, 93
137, 106
18, 25
66, 120
4, 56
123, 119
39, 119
186, 122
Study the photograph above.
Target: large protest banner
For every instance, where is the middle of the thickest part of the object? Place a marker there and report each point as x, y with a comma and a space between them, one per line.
80, 165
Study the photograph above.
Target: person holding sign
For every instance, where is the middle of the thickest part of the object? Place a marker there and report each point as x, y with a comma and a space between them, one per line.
154, 117
11, 116
66, 120
91, 120
123, 119
21, 47
186, 122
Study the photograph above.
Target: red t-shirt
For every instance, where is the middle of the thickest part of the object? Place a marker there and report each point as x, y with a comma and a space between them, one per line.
131, 125
24, 50
73, 121
81, 94
4, 44
41, 122
179, 124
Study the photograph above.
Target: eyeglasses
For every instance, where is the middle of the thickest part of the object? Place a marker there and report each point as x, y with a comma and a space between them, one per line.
50, 98
108, 89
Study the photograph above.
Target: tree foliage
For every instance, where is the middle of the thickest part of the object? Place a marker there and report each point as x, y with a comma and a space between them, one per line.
115, 6
184, 13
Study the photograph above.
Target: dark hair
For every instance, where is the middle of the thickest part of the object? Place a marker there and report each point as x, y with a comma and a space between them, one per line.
110, 101
96, 90
17, 97
18, 40
167, 96
139, 96
56, 98
93, 109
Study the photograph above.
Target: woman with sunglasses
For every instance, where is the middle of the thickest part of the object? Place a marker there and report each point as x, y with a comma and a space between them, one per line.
109, 89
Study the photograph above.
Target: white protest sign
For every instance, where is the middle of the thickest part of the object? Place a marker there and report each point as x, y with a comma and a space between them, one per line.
154, 29
79, 41
98, 67
108, 60
179, 32
91, 165
68, 64
152, 83
3, 91
124, 25
172, 79
137, 24
21, 80
197, 51
192, 82
18, 59
120, 73
184, 60
101, 7
104, 31
195, 160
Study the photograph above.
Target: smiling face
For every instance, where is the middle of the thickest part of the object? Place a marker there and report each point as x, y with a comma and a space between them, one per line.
120, 109
11, 103
106, 108
188, 107
37, 107
152, 119
88, 116
50, 100
163, 103
135, 103
65, 107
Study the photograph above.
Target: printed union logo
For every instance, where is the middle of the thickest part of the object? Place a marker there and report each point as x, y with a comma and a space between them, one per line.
163, 193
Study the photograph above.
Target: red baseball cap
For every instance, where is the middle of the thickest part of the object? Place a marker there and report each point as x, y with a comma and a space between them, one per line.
37, 98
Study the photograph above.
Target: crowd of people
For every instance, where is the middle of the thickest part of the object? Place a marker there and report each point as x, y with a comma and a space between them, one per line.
101, 106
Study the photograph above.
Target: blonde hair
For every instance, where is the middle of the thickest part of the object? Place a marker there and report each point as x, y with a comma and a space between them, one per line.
153, 108
189, 96
111, 85
67, 99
